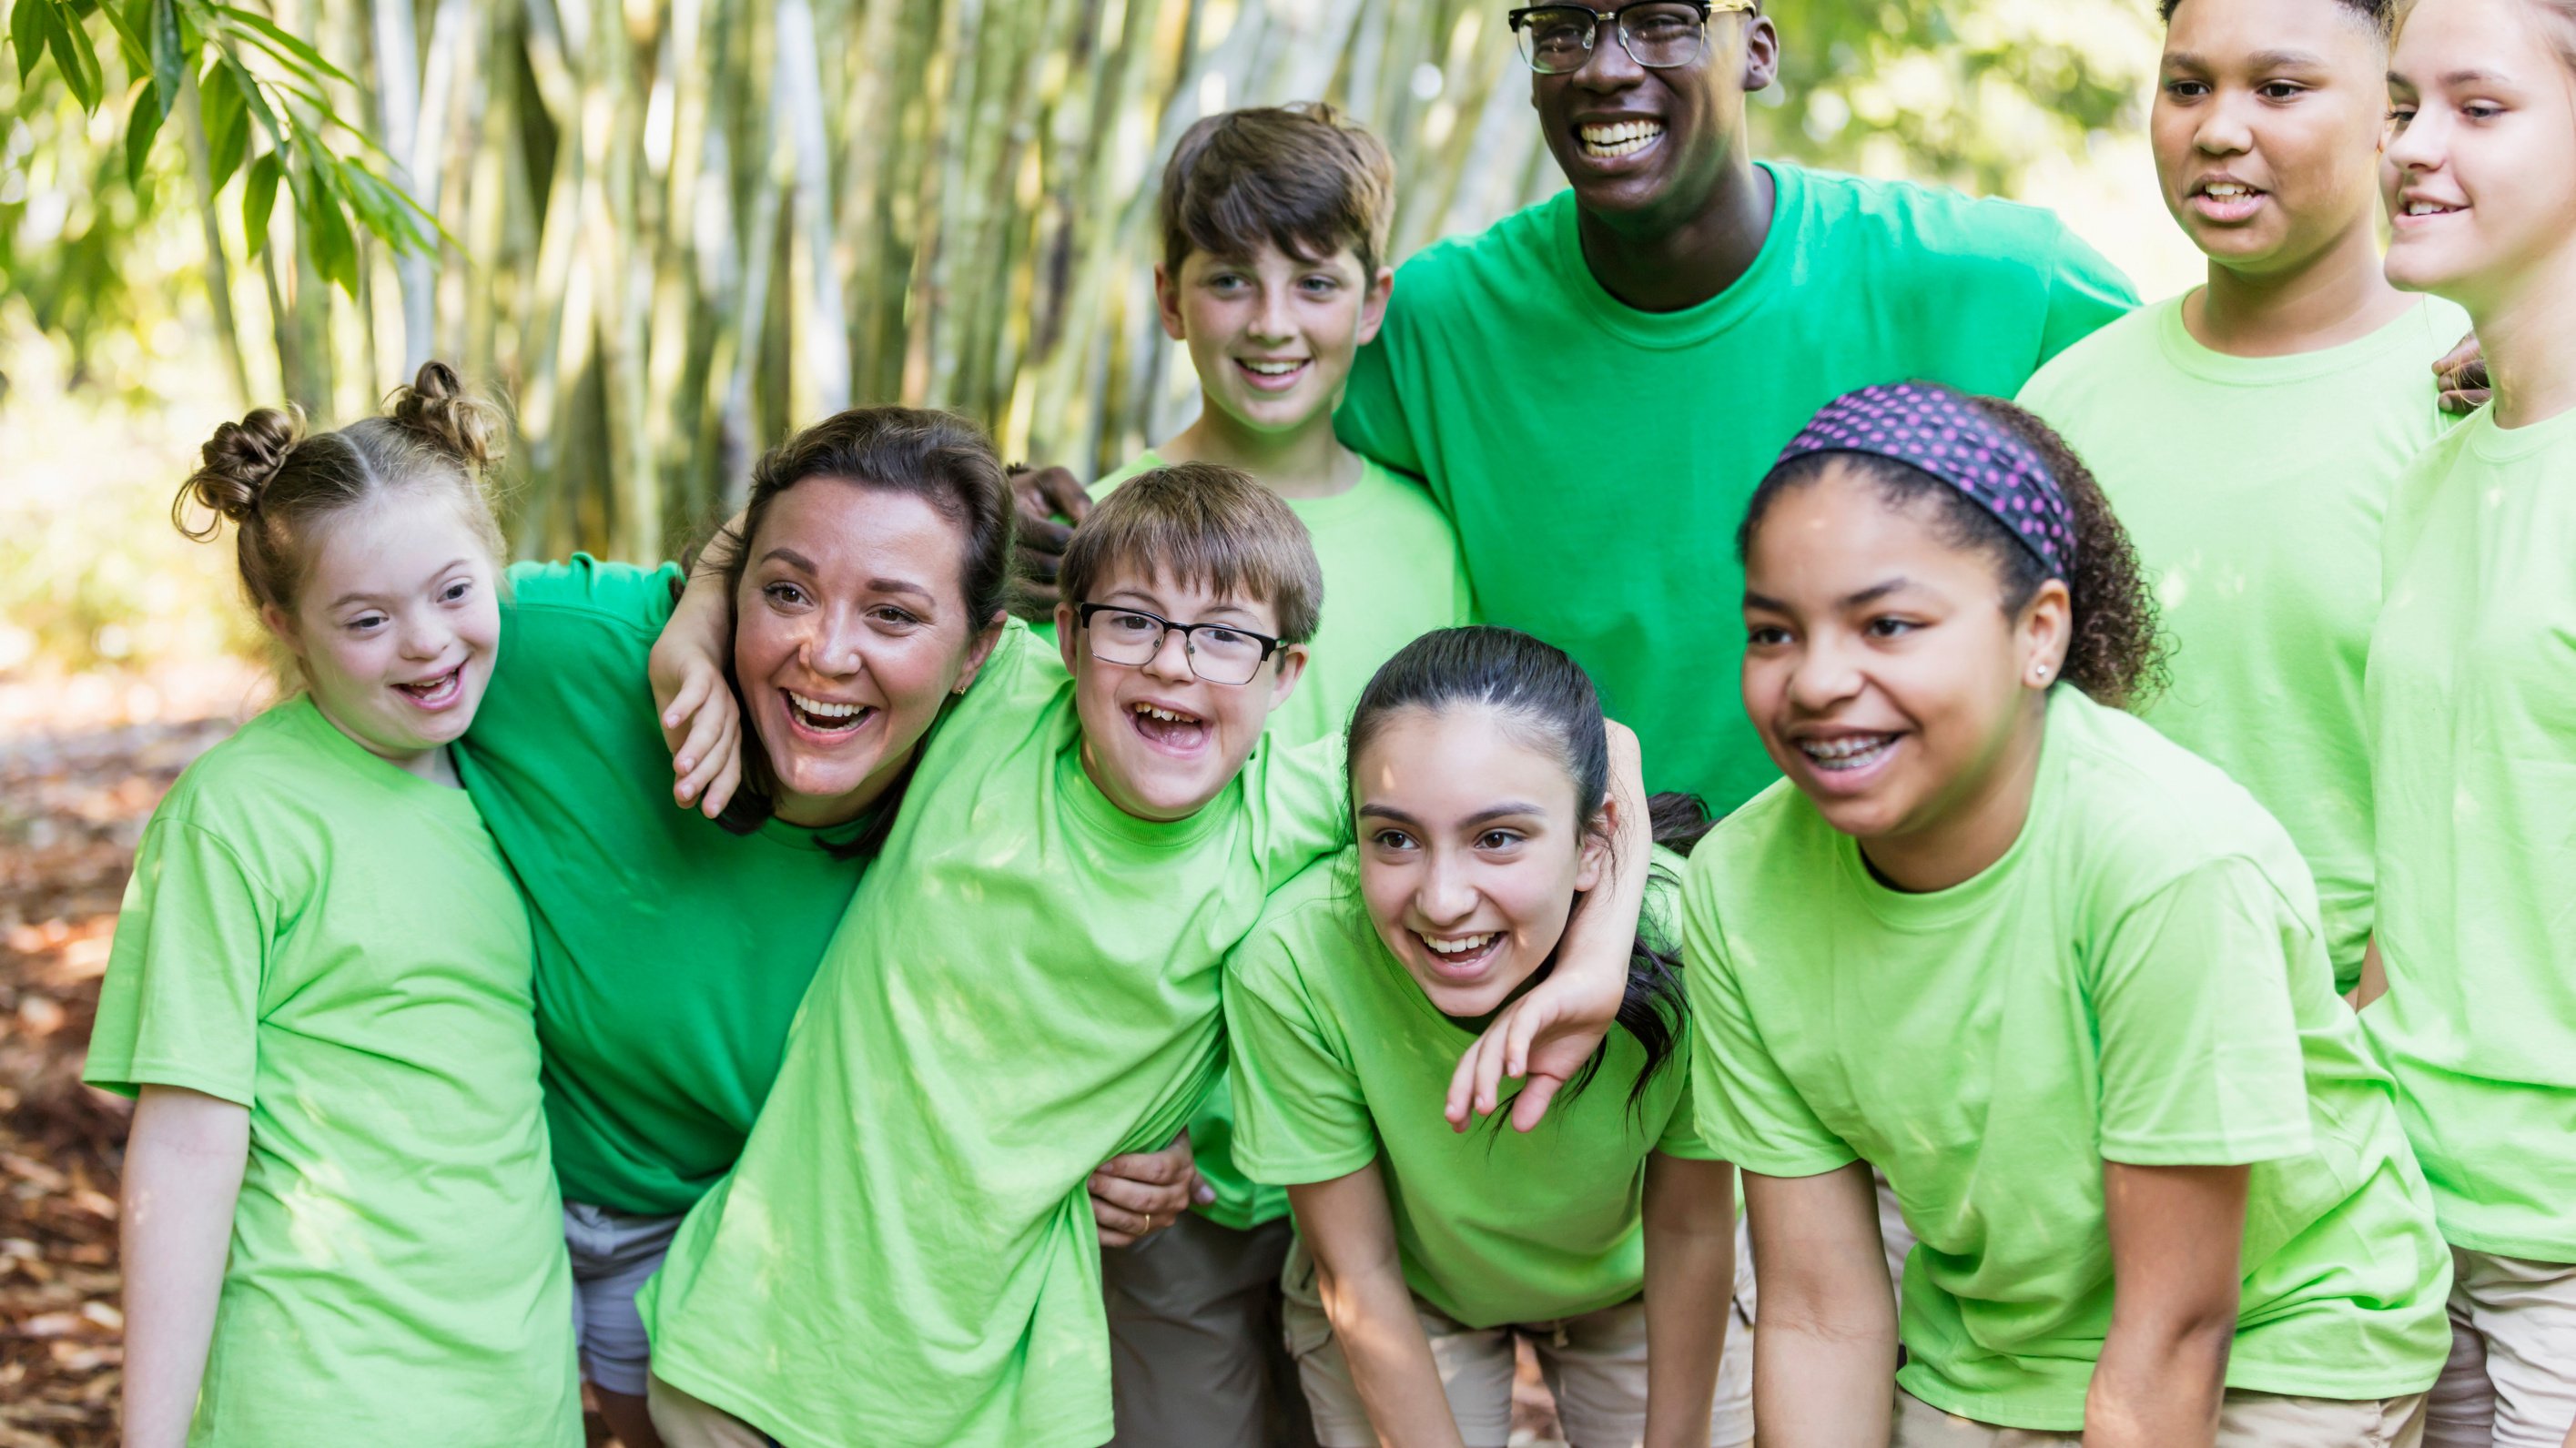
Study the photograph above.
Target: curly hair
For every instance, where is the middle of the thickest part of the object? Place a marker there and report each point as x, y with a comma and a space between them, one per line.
2117, 652
280, 487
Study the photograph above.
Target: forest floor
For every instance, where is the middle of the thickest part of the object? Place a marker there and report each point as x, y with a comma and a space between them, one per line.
83, 761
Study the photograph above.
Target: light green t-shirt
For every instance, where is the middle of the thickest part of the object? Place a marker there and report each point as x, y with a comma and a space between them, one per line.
333, 943
1596, 459
1026, 984
2472, 709
2253, 488
2139, 979
671, 952
1340, 1060
1391, 574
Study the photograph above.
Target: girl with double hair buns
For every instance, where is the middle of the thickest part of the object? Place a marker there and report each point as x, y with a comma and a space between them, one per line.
2060, 979
339, 1219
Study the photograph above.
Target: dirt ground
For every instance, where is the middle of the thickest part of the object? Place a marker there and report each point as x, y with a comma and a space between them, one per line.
82, 763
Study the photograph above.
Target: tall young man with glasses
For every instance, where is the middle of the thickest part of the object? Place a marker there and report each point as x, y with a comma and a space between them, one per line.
1593, 386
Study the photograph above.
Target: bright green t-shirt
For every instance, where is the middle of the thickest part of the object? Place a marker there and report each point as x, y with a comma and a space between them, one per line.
1391, 574
2472, 709
1596, 459
1340, 1060
1026, 984
671, 952
333, 943
2253, 488
2141, 979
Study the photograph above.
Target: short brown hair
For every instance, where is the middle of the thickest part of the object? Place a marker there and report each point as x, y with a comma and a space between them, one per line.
281, 487
1207, 525
1299, 177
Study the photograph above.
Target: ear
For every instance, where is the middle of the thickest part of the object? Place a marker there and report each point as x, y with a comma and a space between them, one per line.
1595, 859
1373, 304
1167, 299
1067, 624
981, 650
2046, 630
281, 626
1761, 54
1291, 666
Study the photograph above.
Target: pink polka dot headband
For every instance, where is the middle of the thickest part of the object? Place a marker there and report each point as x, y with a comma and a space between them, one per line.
1931, 427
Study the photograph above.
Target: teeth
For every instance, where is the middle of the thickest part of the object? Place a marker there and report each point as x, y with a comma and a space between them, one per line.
1272, 369
2227, 190
1463, 945
2427, 208
821, 710
1621, 138
1850, 752
1166, 715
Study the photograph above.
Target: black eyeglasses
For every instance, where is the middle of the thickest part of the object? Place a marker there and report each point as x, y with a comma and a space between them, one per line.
1657, 34
1219, 652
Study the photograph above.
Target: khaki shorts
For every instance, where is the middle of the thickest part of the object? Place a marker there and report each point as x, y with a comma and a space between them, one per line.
2245, 1420
1196, 1358
2511, 1380
1595, 1365
687, 1422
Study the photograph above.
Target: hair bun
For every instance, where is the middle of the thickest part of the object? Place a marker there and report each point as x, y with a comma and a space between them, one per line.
437, 409
240, 461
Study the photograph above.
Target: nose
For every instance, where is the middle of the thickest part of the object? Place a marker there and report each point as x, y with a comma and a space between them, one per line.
2223, 130
1609, 67
2414, 146
424, 636
834, 648
1171, 658
1272, 323
1446, 895
1826, 674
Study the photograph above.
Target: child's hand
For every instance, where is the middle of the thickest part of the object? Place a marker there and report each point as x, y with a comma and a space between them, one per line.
1044, 494
701, 722
1143, 1192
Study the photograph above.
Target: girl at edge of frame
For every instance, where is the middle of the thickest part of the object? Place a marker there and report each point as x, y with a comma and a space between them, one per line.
1480, 800
2061, 980
339, 1218
2469, 700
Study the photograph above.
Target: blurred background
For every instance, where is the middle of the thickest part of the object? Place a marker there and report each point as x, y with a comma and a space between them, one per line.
666, 232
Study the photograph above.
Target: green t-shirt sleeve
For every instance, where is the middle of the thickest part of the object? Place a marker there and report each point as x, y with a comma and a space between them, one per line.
2200, 1054
1299, 795
1748, 1111
1681, 1136
1371, 420
181, 1001
2085, 293
1299, 1114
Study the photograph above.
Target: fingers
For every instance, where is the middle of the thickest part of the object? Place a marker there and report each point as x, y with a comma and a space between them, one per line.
1065, 495
676, 710
1140, 1198
1165, 1168
728, 779
1477, 1083
1530, 1107
711, 738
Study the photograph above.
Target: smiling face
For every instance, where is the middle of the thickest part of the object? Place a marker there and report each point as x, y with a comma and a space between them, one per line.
397, 623
1273, 337
1158, 740
1472, 850
1882, 674
2480, 164
850, 632
2266, 128
1649, 146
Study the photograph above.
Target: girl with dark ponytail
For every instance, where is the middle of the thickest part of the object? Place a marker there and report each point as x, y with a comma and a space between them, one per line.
2065, 983
340, 1219
1480, 781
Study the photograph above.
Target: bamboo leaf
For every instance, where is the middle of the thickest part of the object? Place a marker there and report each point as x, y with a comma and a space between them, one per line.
163, 43
227, 122
259, 200
31, 23
77, 59
141, 129
260, 27
131, 25
318, 213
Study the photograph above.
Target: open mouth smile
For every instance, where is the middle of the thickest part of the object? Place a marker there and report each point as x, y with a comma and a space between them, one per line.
823, 717
1266, 374
1170, 730
1462, 956
1617, 140
437, 693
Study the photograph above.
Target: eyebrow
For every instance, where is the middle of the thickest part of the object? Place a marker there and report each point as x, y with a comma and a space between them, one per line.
1871, 594
2455, 79
358, 595
1155, 605
790, 557
1507, 810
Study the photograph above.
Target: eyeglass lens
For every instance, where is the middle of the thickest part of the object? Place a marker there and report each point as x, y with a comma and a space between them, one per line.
1218, 655
1557, 40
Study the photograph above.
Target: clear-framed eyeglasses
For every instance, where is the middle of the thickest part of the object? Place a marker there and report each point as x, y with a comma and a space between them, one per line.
1218, 652
1657, 34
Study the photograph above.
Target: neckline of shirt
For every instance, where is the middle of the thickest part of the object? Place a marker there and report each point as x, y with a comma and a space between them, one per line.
2197, 358
2493, 442
1091, 809
1692, 325
364, 763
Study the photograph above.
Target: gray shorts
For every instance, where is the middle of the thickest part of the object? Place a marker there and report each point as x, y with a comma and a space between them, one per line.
612, 1254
